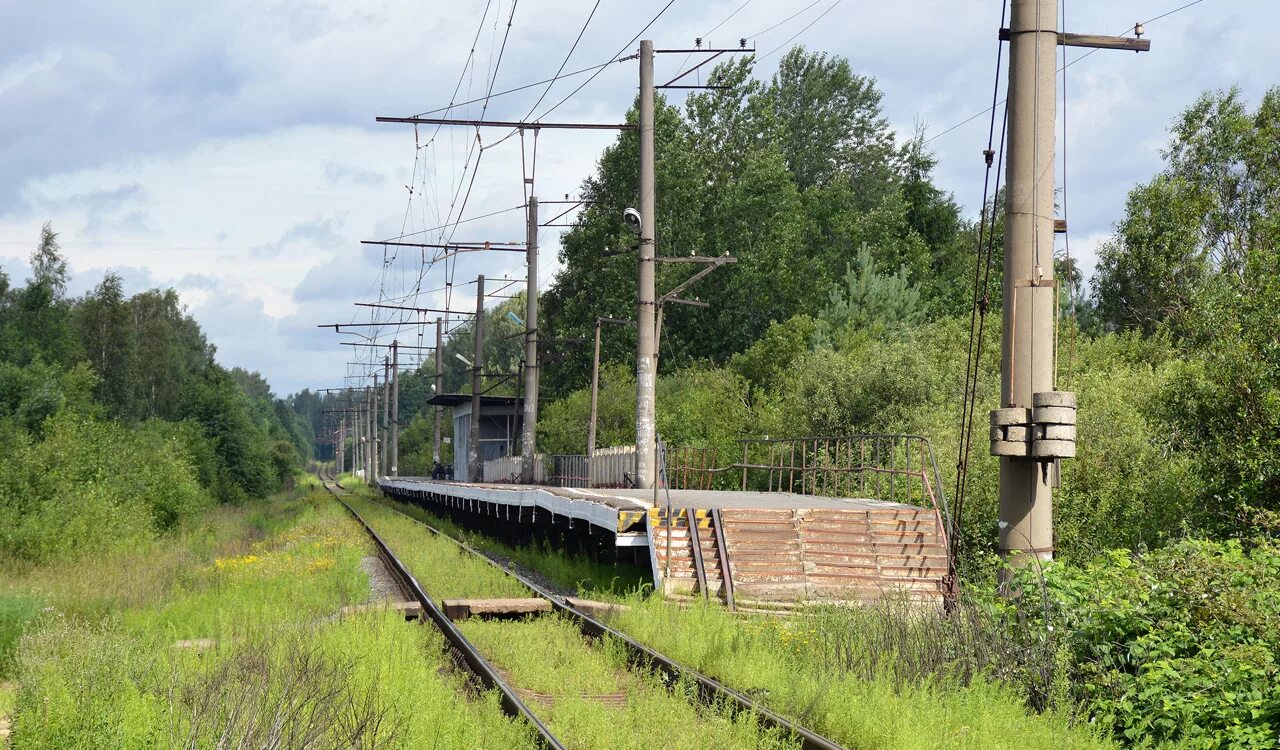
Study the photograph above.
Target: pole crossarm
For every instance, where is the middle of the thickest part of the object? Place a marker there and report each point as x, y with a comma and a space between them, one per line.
387, 346
712, 264
1095, 41
702, 49
485, 245
682, 301
413, 309
509, 124
403, 365
336, 326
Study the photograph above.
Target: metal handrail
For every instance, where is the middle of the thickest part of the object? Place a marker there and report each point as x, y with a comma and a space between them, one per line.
791, 470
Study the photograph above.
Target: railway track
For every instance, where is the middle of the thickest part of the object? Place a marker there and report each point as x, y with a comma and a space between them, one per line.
710, 692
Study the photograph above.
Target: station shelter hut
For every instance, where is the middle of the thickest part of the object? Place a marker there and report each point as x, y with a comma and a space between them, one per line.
500, 424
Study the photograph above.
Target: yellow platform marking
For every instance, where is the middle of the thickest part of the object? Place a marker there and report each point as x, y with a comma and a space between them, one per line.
629, 518
658, 517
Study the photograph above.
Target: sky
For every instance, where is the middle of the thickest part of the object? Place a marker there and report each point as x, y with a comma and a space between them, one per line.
229, 150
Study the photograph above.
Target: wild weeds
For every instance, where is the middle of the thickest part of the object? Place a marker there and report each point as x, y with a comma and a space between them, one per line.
279, 692
273, 671
898, 641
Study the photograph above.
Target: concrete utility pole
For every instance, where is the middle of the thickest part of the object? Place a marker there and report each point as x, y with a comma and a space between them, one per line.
373, 431
1036, 425
595, 392
355, 437
1026, 492
475, 472
595, 382
646, 364
384, 433
435, 443
529, 428
340, 453
394, 466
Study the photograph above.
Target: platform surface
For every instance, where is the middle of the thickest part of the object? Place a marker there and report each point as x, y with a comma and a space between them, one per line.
633, 499
774, 546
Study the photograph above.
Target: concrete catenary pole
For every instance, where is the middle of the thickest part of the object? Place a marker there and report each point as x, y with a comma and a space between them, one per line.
385, 432
393, 467
435, 440
595, 394
373, 431
529, 428
1027, 356
356, 464
475, 472
646, 365
340, 449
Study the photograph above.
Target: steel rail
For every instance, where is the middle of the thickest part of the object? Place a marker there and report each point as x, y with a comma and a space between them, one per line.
710, 691
479, 666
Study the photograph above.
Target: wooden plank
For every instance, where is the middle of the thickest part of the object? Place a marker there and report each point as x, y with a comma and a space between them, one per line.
594, 608
411, 610
460, 609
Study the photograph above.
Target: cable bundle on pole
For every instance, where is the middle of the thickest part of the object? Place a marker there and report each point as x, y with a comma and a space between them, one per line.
985, 251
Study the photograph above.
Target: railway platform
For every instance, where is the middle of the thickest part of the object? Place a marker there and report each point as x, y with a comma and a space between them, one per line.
818, 519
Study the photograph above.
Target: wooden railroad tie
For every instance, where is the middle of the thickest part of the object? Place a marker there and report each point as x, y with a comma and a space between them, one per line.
461, 609
412, 610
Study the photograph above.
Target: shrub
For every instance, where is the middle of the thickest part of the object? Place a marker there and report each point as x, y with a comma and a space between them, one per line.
90, 486
1179, 644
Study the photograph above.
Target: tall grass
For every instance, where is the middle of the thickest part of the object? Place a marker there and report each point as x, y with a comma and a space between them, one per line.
883, 676
444, 570
367, 681
99, 666
866, 677
16, 611
550, 656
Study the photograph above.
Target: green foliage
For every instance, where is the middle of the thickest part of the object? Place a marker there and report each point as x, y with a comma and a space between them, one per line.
16, 611
164, 334
870, 302
814, 667
240, 443
790, 176
89, 486
258, 585
1178, 644
503, 349
707, 407
766, 362
1202, 218
562, 424
66, 364
29, 395
829, 121
1152, 268
1198, 256
417, 441
1224, 403
35, 319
